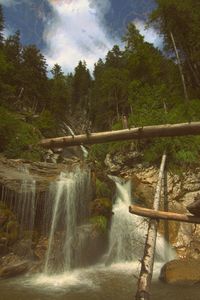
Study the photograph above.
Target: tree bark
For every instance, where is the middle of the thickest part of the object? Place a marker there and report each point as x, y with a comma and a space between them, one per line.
170, 216
166, 130
144, 281
166, 208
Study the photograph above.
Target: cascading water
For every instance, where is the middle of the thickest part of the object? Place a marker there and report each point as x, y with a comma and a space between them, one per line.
22, 201
128, 232
84, 150
25, 206
70, 208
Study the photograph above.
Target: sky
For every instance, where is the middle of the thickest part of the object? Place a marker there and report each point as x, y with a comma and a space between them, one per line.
68, 31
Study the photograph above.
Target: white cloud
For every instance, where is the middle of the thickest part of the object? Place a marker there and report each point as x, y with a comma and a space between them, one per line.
9, 2
150, 34
7, 32
77, 33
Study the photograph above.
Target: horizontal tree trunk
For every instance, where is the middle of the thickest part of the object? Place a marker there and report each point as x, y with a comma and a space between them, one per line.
144, 281
125, 134
171, 216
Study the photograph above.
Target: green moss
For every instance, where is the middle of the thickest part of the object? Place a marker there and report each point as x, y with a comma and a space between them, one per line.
102, 189
100, 222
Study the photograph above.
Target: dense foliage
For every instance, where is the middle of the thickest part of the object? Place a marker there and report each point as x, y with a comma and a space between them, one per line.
140, 82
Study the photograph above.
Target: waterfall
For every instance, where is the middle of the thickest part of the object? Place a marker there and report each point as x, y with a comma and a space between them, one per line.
128, 231
70, 208
25, 206
84, 150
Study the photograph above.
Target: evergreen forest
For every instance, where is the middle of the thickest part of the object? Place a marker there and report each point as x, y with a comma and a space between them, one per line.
145, 84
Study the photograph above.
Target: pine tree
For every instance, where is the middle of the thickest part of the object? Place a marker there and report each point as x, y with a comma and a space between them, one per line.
1, 25
34, 78
181, 20
81, 85
59, 93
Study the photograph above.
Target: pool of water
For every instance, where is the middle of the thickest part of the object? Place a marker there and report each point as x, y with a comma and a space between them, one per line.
98, 283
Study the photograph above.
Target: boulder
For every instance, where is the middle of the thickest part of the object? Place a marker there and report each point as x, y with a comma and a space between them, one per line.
194, 207
181, 271
14, 270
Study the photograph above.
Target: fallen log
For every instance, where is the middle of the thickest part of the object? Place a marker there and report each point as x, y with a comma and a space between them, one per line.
144, 281
125, 134
163, 215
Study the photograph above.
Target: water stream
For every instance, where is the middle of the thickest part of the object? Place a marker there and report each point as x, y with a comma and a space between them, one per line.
116, 277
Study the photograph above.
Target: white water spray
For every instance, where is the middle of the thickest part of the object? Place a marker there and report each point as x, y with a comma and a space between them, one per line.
128, 232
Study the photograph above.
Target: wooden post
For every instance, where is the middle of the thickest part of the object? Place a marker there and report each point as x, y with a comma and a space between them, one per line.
144, 281
166, 208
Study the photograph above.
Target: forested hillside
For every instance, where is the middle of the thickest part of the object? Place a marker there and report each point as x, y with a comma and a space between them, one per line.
141, 82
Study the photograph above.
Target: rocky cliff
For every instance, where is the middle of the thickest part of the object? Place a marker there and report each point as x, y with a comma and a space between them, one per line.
182, 188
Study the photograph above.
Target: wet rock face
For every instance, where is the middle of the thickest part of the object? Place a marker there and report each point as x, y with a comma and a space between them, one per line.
182, 190
181, 271
9, 228
12, 265
12, 173
101, 207
119, 162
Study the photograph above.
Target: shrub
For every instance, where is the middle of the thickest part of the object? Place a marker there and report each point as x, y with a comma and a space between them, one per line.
16, 135
46, 123
102, 189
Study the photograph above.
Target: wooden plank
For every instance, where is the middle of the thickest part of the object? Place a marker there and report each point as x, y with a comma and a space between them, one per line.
144, 281
167, 130
170, 216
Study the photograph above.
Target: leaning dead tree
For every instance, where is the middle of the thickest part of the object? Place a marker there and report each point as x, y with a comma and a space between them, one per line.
167, 130
163, 215
144, 281
180, 67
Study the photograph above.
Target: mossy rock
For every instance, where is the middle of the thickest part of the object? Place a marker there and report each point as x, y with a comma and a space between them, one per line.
12, 237
102, 189
101, 207
100, 223
12, 226
9, 227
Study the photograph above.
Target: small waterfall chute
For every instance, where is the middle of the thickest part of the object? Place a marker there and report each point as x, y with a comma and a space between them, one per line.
26, 205
128, 231
84, 150
72, 191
